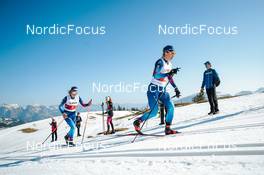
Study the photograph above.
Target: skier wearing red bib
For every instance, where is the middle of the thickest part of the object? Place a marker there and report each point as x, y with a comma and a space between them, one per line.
68, 108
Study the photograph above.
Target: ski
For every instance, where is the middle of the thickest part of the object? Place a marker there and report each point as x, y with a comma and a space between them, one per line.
134, 134
143, 134
64, 145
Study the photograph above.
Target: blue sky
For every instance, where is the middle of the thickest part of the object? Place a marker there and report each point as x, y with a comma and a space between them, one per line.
40, 69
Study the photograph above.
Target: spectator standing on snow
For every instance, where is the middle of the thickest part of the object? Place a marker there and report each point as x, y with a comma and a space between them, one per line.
210, 81
53, 125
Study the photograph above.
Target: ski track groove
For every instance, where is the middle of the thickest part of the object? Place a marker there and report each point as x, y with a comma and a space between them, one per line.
146, 153
171, 154
142, 138
95, 150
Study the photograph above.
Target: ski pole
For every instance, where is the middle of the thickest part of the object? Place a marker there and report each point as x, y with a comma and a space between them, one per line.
151, 111
173, 96
133, 117
103, 117
141, 112
53, 131
88, 110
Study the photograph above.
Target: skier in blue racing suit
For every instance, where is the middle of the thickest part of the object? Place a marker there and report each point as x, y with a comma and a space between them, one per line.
68, 108
163, 72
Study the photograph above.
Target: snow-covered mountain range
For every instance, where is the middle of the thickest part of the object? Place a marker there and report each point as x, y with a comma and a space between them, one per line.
19, 114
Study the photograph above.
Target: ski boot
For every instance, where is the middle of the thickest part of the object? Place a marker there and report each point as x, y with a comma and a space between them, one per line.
137, 126
66, 139
113, 131
169, 131
211, 113
216, 111
70, 142
108, 130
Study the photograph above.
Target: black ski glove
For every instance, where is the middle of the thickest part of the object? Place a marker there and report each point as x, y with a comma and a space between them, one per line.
178, 93
174, 71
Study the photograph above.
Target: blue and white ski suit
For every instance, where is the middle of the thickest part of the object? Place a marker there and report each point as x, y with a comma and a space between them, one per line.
69, 106
157, 87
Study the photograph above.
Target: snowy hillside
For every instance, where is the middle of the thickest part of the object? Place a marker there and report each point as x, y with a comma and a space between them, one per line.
189, 98
243, 93
228, 143
260, 90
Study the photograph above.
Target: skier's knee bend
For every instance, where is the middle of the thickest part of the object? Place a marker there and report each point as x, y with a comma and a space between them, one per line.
70, 123
170, 107
149, 115
109, 120
154, 112
72, 127
170, 113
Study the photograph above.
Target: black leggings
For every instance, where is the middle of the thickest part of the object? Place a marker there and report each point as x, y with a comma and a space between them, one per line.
54, 136
212, 99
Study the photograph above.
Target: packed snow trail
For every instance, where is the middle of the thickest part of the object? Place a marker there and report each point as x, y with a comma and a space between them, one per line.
229, 142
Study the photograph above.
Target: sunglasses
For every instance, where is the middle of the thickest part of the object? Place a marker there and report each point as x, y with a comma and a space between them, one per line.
74, 92
171, 51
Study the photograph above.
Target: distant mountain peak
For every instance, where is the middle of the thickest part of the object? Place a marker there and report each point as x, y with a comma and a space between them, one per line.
241, 93
11, 106
260, 90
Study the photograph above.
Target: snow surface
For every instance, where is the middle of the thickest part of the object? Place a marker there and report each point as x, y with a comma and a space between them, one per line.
231, 142
189, 98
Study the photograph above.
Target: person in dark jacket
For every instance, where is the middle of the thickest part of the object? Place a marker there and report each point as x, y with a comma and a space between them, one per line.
110, 114
210, 81
78, 123
53, 125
